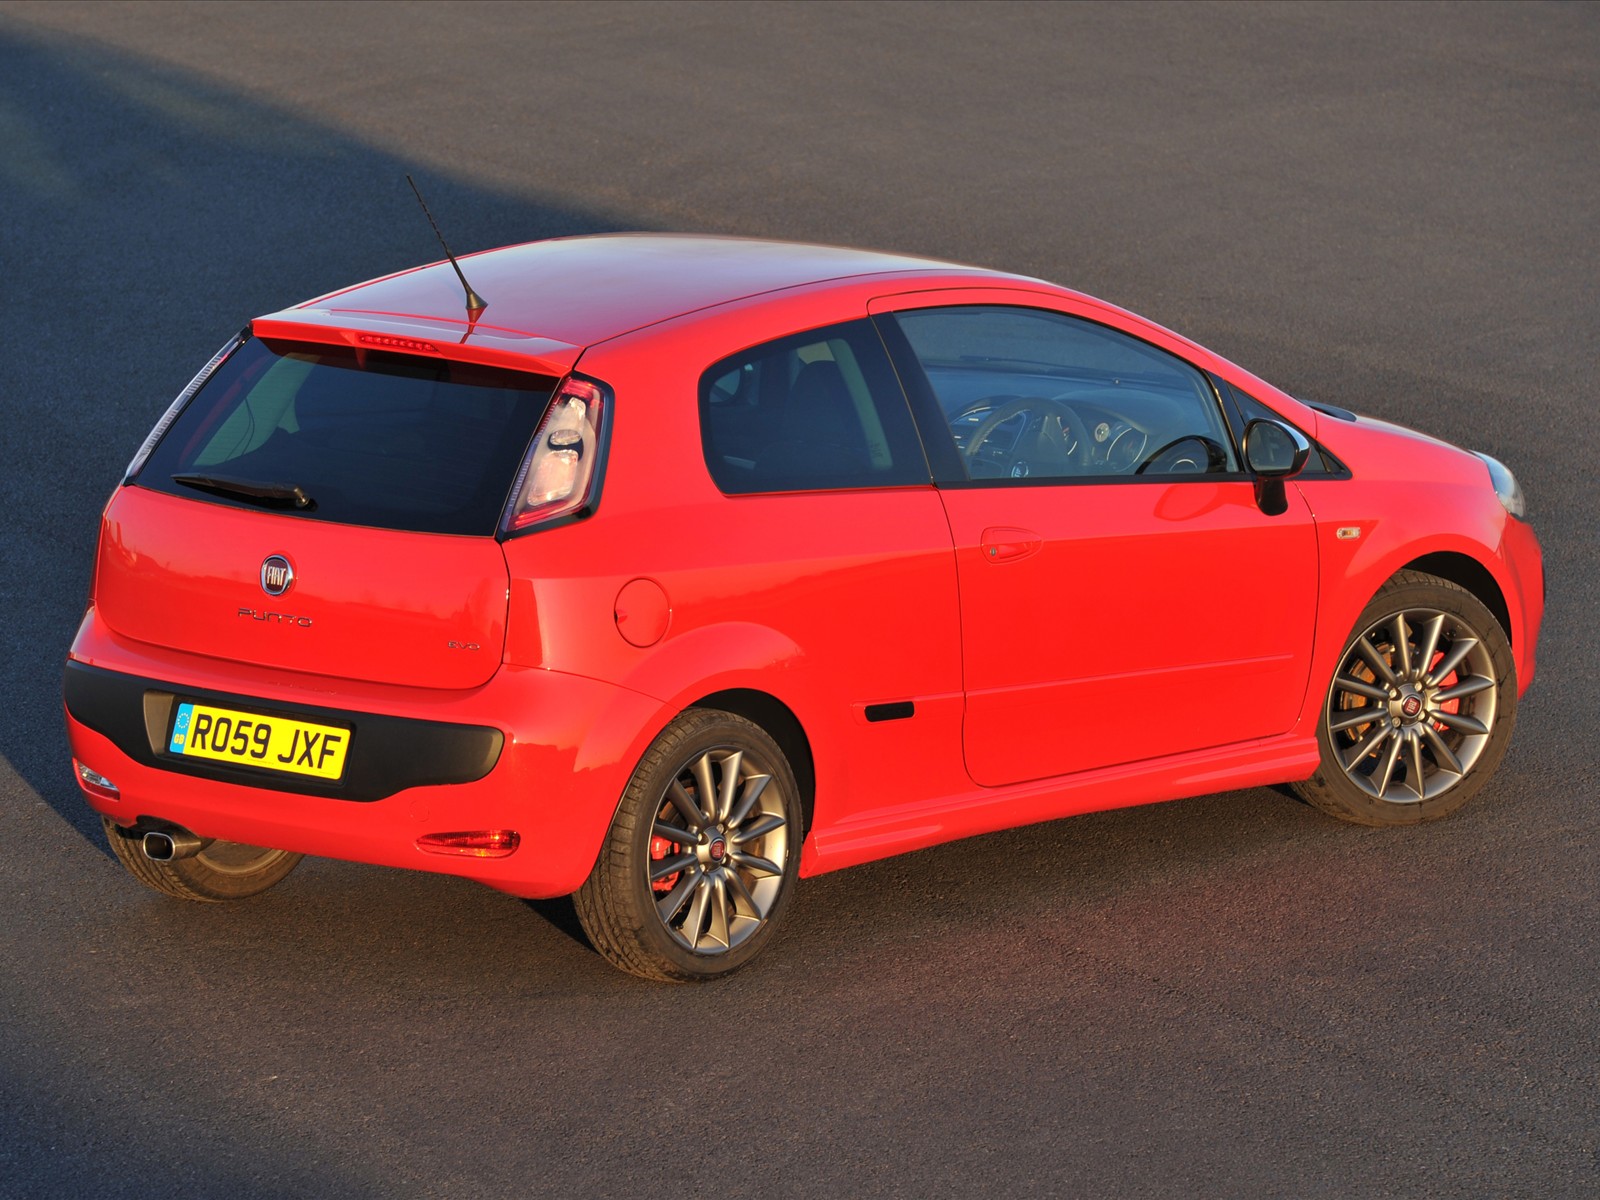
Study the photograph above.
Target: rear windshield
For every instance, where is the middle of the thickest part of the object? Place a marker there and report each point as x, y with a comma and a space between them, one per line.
367, 436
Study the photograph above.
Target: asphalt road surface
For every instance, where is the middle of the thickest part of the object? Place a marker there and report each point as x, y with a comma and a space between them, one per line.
1388, 208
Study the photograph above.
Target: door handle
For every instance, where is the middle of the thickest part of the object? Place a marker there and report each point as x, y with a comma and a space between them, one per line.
1005, 544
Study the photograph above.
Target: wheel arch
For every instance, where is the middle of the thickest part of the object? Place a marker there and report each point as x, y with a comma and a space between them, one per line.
781, 724
1467, 572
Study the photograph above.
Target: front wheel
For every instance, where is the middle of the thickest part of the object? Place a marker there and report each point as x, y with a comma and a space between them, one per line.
220, 871
702, 856
1420, 710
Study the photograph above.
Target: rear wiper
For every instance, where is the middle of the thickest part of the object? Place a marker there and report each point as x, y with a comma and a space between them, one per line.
268, 495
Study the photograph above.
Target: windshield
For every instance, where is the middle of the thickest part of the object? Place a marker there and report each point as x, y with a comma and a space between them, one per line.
368, 437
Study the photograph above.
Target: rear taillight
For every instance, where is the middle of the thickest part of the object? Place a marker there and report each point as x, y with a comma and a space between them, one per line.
560, 475
173, 409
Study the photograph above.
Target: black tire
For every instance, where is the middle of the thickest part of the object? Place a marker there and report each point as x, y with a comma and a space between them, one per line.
1402, 741
220, 871
685, 891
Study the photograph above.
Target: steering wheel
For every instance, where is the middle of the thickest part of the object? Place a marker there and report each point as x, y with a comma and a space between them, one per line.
1003, 409
1188, 455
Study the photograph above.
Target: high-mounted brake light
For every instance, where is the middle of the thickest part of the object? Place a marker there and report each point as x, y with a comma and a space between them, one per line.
396, 343
184, 397
477, 843
559, 474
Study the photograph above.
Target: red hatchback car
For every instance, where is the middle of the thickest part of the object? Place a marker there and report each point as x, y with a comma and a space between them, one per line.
690, 566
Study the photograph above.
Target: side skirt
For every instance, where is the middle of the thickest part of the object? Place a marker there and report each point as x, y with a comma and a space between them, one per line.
889, 831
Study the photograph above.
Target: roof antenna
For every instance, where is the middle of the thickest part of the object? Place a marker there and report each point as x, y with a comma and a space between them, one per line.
475, 303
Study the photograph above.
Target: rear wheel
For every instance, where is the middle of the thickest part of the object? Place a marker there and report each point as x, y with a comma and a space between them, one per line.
220, 871
1420, 710
702, 855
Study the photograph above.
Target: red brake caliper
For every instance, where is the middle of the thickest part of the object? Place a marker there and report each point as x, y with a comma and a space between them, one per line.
1450, 680
660, 849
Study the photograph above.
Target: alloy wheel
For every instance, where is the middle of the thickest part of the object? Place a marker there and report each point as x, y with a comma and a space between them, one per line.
718, 845
1413, 705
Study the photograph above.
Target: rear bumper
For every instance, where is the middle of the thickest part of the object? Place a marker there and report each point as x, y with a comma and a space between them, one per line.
388, 754
566, 747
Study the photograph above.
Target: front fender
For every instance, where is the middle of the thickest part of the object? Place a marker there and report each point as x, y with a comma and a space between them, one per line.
1359, 551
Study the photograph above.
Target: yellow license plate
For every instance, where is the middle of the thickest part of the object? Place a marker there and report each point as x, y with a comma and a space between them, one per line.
251, 740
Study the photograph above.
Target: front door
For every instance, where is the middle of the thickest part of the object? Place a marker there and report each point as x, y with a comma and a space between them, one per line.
1122, 595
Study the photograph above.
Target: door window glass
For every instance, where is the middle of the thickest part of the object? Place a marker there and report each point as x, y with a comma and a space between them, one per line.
1027, 394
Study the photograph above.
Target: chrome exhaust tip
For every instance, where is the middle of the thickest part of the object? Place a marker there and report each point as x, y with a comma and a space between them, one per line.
164, 845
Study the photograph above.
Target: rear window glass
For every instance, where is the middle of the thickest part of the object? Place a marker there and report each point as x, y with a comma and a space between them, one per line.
372, 438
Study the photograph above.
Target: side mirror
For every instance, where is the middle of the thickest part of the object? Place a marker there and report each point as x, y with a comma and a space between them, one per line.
1273, 452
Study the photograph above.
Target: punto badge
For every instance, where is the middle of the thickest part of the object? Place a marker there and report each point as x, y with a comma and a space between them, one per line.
277, 576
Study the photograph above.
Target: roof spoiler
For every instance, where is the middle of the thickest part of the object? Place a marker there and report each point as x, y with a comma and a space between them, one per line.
423, 336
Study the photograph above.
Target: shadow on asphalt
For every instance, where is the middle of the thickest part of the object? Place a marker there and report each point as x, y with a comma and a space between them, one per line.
135, 199
561, 915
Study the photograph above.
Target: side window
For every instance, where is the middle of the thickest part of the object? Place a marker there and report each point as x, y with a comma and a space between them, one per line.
1031, 394
818, 410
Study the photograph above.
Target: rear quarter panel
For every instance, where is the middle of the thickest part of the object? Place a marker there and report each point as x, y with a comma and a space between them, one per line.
825, 601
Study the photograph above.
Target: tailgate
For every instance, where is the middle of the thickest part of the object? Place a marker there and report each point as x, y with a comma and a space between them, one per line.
381, 605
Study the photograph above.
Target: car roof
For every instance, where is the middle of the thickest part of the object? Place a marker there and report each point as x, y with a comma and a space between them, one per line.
583, 290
